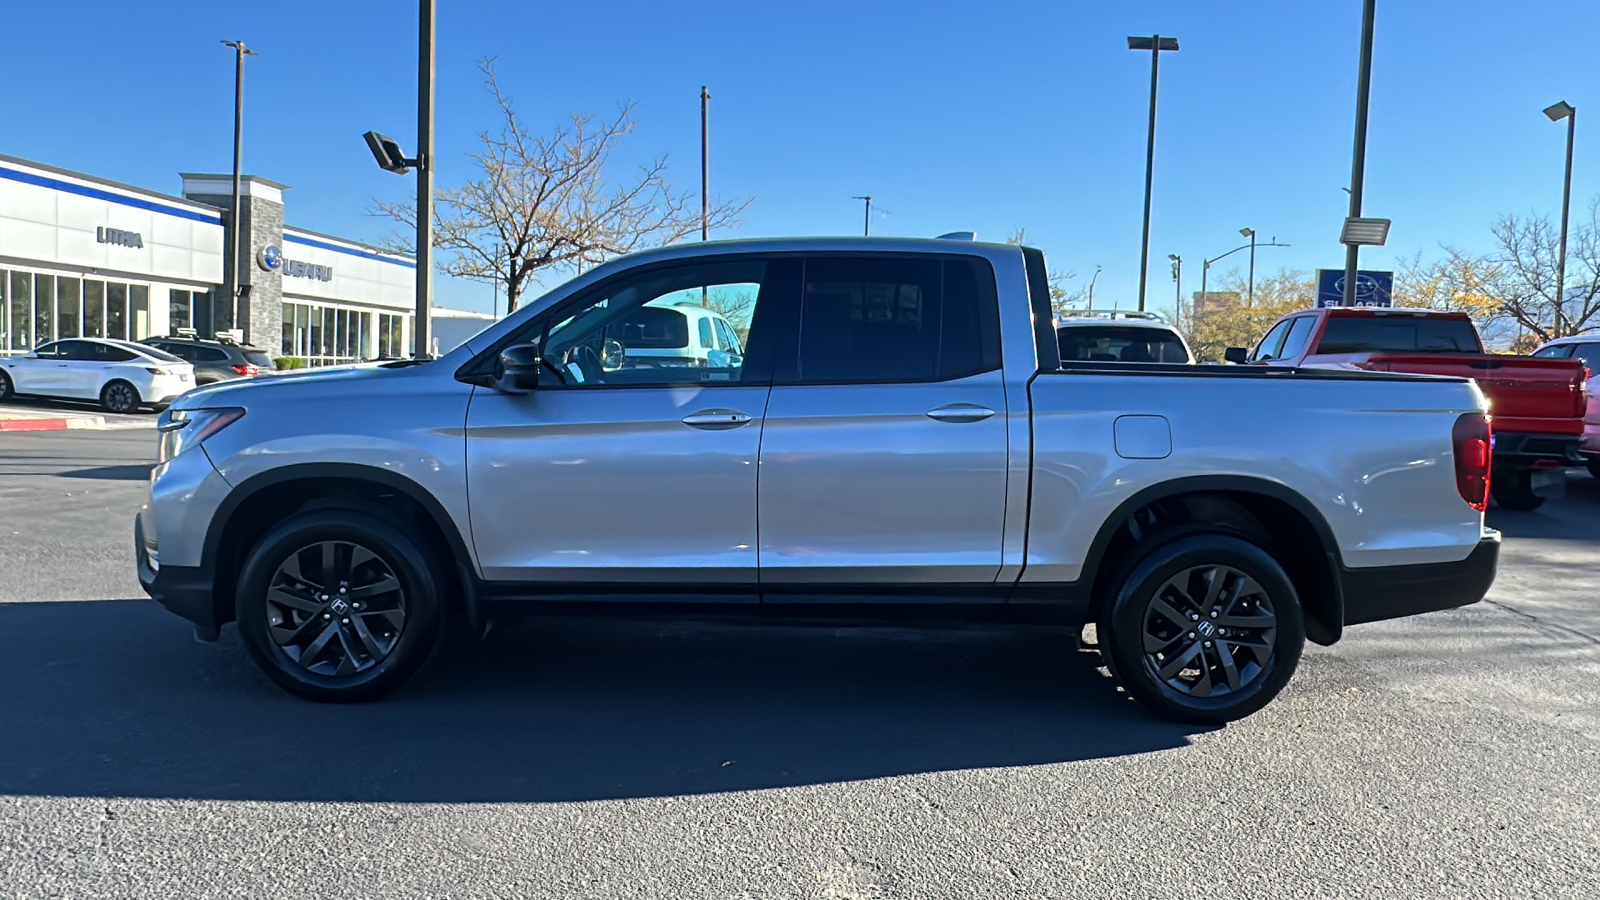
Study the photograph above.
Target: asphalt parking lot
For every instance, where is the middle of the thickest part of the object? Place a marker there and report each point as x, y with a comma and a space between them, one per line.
1451, 755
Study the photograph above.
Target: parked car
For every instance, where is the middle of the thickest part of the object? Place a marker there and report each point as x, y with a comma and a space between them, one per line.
1585, 348
214, 359
921, 448
1117, 336
121, 375
1537, 404
674, 332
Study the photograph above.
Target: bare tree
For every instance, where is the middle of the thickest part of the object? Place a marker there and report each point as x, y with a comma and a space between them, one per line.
1523, 277
1062, 298
546, 201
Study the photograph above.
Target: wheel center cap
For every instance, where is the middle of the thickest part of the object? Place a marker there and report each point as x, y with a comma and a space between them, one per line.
1205, 628
339, 606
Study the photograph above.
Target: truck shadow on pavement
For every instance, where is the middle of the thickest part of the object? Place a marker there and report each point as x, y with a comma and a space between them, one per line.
112, 698
1576, 518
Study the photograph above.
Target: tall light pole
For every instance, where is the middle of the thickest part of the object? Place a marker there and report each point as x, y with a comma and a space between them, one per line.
1358, 155
1251, 234
1155, 44
1557, 112
1177, 281
240, 51
1091, 286
866, 229
705, 196
424, 163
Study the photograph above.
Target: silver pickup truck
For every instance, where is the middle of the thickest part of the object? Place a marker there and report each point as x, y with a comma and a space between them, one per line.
898, 439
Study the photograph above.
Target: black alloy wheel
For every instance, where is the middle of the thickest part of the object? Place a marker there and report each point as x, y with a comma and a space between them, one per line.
119, 397
335, 608
341, 605
1204, 628
5, 386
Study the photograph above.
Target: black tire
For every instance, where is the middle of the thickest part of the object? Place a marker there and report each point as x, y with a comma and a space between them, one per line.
1514, 490
119, 397
264, 623
5, 387
1129, 617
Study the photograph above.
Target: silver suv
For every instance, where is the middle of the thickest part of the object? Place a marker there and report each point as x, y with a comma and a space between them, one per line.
900, 437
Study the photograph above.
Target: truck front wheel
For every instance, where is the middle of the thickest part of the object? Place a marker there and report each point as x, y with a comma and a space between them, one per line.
1206, 628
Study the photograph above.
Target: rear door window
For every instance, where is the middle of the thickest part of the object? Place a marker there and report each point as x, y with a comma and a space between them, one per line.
1559, 351
1299, 335
707, 341
885, 320
207, 354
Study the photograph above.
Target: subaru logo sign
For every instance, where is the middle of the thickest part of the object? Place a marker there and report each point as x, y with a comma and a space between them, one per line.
270, 258
1372, 288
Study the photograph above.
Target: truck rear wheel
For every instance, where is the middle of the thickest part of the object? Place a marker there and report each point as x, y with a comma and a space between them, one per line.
1514, 490
1205, 628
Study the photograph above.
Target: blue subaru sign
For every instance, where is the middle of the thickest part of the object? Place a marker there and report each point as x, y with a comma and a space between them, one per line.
270, 258
1372, 288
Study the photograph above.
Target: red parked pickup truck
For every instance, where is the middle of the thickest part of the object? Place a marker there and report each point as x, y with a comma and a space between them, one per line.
1537, 405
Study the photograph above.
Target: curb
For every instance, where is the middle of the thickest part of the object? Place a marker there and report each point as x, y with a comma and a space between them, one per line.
52, 424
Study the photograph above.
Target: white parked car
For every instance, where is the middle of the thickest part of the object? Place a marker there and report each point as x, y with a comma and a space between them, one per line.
682, 333
1120, 336
121, 375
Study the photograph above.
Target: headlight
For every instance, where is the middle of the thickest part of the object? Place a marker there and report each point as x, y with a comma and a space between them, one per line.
181, 429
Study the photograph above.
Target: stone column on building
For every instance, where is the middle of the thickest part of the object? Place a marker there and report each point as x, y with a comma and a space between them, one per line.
259, 268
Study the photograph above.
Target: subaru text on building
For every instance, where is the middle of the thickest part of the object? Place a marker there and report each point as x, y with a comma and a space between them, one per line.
899, 437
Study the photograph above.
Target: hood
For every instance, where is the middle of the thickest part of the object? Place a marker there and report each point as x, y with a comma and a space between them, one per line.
245, 391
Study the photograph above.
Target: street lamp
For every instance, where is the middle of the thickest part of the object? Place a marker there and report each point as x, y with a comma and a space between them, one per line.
705, 97
1205, 265
386, 150
1251, 234
1559, 111
1155, 44
240, 51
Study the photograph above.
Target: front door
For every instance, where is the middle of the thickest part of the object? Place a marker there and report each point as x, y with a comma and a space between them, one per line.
42, 372
883, 461
624, 470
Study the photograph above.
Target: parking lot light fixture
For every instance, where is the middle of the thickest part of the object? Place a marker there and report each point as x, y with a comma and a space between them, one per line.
1557, 112
1155, 44
1358, 232
1251, 291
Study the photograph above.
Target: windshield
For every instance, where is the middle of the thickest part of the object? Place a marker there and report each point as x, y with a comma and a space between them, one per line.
1398, 335
1120, 344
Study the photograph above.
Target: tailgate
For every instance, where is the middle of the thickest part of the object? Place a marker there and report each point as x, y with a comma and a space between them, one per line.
1525, 394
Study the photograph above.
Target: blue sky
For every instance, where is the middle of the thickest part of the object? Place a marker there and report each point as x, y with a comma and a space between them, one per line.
954, 116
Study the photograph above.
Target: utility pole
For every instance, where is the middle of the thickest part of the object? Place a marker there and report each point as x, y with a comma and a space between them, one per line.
1155, 44
705, 196
1091, 286
240, 51
1358, 156
866, 228
1177, 281
421, 346
1251, 290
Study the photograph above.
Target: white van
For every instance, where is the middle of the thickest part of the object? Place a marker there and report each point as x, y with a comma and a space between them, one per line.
681, 333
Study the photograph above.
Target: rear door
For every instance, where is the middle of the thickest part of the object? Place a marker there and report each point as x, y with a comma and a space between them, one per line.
883, 460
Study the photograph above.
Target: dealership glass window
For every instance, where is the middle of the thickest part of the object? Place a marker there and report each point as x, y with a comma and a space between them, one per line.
94, 308
21, 310
44, 309
69, 307
117, 311
179, 310
5, 312
139, 311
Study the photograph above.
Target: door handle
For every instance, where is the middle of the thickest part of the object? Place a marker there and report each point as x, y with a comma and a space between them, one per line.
716, 419
960, 412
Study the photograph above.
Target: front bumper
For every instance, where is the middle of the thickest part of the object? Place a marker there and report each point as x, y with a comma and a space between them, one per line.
1391, 592
188, 591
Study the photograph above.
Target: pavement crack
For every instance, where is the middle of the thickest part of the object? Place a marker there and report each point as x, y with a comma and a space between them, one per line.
1583, 635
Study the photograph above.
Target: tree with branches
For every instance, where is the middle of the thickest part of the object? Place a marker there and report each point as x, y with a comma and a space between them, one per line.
547, 201
1062, 298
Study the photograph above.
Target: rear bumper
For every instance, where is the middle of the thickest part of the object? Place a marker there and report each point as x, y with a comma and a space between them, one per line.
185, 590
1392, 592
1522, 448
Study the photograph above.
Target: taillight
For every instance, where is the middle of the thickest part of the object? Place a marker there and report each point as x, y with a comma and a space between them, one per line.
1471, 439
246, 370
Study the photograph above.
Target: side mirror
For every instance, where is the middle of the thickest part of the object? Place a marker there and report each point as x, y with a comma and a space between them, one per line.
31, 355
1236, 355
613, 355
519, 369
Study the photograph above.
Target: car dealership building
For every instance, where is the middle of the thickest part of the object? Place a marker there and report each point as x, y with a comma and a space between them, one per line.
82, 256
